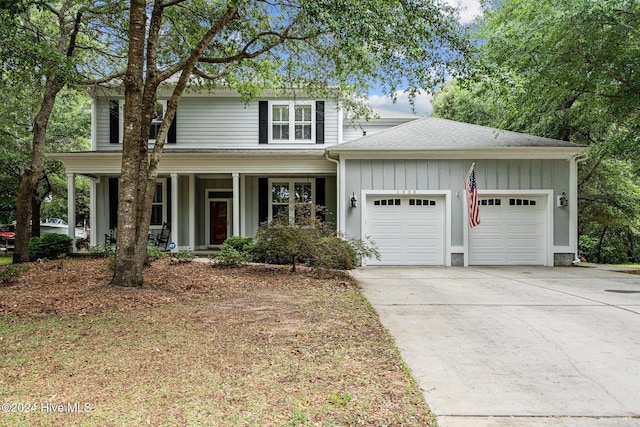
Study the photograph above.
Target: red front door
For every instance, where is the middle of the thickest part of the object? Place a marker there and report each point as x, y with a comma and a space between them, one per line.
219, 222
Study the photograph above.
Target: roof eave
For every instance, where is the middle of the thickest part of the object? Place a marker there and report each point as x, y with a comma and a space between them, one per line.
462, 153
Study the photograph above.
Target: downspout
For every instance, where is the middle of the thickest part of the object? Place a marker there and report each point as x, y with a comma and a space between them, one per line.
339, 224
574, 202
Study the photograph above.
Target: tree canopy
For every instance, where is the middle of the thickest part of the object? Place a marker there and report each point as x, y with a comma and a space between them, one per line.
565, 70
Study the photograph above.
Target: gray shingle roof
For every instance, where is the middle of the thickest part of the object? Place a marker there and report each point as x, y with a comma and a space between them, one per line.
432, 133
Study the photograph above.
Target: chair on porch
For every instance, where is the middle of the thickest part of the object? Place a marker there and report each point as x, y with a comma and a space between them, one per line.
110, 239
161, 239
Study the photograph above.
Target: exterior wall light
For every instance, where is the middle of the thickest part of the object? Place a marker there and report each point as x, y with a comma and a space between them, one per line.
563, 201
353, 202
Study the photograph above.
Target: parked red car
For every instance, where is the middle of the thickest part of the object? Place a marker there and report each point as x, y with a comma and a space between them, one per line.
7, 235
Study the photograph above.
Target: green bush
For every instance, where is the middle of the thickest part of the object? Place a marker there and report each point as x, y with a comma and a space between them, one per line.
311, 241
102, 251
333, 252
183, 256
244, 245
49, 246
154, 253
229, 257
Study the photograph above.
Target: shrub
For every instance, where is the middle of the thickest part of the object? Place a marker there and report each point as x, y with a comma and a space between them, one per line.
312, 241
229, 257
333, 252
49, 246
154, 253
102, 251
184, 255
12, 272
244, 245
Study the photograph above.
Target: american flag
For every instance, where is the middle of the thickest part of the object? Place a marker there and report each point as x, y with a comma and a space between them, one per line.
472, 197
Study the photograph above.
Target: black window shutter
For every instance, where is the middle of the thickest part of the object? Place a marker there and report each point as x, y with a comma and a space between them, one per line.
171, 137
321, 199
263, 200
114, 122
263, 122
113, 202
319, 122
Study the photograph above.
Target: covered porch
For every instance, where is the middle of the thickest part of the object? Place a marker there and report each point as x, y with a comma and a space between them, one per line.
205, 197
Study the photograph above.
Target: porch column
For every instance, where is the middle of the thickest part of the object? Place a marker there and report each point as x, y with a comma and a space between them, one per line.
236, 203
174, 211
192, 212
93, 212
71, 209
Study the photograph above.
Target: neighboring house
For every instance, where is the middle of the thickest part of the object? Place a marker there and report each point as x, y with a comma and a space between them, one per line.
228, 166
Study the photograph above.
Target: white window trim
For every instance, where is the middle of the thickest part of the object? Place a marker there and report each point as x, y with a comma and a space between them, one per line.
292, 203
163, 102
163, 182
292, 122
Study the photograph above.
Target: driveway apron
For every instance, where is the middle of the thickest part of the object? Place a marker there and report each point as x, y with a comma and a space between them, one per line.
516, 346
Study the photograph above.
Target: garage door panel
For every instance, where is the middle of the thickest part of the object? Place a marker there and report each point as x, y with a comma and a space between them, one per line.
510, 234
409, 232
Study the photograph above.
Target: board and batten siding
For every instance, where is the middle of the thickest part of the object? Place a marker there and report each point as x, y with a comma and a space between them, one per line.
214, 122
421, 174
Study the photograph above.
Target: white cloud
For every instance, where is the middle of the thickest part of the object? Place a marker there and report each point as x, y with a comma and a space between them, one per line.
468, 9
422, 103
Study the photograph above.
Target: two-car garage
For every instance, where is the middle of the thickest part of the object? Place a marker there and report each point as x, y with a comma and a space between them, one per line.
412, 229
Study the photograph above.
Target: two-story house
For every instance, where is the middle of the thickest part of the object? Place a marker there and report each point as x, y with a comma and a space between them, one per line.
228, 166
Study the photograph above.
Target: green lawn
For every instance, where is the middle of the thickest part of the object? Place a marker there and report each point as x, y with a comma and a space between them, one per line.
4, 259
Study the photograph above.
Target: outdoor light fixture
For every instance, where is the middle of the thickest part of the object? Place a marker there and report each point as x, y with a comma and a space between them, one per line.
563, 202
353, 202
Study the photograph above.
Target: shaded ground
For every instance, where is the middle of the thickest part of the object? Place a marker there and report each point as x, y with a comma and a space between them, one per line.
197, 346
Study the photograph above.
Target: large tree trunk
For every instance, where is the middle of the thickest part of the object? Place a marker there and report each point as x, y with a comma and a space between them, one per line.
139, 166
127, 267
32, 173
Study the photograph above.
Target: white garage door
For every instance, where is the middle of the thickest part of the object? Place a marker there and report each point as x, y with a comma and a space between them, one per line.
512, 231
408, 230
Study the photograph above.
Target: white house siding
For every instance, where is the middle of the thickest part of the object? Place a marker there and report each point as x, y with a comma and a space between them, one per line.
214, 122
423, 174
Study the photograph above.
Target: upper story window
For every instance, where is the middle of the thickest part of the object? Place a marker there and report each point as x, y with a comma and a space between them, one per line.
291, 121
156, 121
116, 122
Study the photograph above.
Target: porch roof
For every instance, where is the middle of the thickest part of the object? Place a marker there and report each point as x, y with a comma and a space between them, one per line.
206, 161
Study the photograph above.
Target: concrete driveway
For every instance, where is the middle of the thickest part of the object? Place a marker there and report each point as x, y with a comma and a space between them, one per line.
516, 346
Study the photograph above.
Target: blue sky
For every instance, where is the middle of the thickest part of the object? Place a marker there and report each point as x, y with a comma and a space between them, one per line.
468, 10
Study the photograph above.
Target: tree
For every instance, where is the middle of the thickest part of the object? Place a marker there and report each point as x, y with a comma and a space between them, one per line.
318, 46
44, 44
565, 70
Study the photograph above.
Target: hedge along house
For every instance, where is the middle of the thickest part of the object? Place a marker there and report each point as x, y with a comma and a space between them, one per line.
228, 166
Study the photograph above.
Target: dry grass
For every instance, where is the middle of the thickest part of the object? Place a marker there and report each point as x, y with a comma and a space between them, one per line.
198, 346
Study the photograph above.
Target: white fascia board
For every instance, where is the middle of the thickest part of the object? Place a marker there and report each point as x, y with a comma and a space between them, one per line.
104, 163
468, 153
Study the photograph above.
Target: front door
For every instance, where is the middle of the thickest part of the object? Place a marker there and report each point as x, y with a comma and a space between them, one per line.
219, 221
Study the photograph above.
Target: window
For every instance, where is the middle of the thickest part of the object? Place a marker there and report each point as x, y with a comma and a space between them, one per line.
293, 198
521, 202
159, 204
422, 202
489, 202
291, 121
387, 202
156, 121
